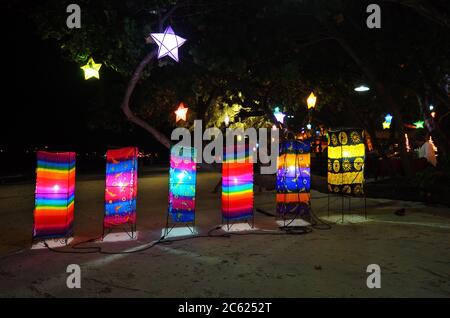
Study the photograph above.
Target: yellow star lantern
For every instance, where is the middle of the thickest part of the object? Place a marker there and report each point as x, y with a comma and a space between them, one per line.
91, 69
181, 112
386, 125
311, 101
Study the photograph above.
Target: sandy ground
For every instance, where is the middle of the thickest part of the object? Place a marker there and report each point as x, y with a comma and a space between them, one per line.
413, 251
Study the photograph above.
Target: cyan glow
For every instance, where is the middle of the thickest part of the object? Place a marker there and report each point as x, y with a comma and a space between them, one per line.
279, 115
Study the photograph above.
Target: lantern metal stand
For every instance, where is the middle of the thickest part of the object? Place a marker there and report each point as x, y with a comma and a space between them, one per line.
250, 221
343, 196
171, 225
131, 231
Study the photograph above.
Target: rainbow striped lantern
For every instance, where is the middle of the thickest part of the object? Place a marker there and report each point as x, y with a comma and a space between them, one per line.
182, 182
293, 180
346, 153
121, 188
237, 184
54, 195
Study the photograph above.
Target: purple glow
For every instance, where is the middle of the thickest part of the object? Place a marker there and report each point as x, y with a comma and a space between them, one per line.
168, 43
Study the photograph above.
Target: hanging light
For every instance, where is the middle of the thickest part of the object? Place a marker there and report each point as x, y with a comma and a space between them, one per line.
181, 112
419, 124
388, 118
91, 69
311, 101
362, 88
227, 120
279, 115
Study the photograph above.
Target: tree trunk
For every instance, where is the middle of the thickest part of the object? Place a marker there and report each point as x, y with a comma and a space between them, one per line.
126, 102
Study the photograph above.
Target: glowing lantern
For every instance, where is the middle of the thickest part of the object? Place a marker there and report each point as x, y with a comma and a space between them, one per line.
279, 115
181, 112
346, 155
386, 125
121, 187
311, 101
237, 183
387, 121
54, 195
388, 118
433, 114
91, 69
419, 124
168, 43
293, 179
182, 182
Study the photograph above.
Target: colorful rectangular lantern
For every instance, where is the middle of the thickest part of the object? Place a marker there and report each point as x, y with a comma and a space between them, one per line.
121, 187
54, 195
237, 183
293, 179
182, 183
346, 153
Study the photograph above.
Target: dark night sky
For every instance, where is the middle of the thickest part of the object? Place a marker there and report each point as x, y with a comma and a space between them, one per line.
46, 99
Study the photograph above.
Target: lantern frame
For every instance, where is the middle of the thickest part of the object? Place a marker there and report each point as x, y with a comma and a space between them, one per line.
237, 185
293, 182
346, 160
121, 164
54, 195
183, 174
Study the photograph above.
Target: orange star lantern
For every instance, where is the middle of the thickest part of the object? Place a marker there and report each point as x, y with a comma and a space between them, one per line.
181, 112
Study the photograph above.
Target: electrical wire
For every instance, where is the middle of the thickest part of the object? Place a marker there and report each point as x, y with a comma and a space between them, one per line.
98, 250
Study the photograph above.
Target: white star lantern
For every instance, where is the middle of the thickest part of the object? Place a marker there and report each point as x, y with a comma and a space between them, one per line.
168, 43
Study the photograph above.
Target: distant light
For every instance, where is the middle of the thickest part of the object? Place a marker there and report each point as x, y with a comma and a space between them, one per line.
227, 120
419, 124
168, 43
311, 101
388, 118
433, 114
181, 112
431, 107
386, 125
308, 126
279, 115
362, 88
274, 127
91, 69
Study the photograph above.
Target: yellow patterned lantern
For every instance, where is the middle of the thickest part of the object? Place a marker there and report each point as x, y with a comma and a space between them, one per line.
346, 153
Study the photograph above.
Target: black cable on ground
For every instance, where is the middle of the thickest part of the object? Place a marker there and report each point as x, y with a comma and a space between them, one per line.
163, 240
